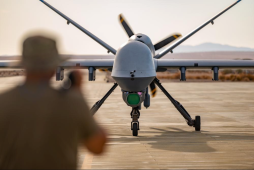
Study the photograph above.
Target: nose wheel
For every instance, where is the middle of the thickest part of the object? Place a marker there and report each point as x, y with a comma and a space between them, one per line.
135, 114
135, 128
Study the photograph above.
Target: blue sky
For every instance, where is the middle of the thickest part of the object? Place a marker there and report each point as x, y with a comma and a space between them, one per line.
156, 18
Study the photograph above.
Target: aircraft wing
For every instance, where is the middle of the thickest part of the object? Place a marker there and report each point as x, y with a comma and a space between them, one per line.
180, 41
201, 64
105, 45
86, 63
8, 64
72, 63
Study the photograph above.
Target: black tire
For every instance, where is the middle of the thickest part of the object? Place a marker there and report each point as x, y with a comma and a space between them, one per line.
135, 129
197, 123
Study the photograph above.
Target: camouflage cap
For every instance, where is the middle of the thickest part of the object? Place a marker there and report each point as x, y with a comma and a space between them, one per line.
40, 54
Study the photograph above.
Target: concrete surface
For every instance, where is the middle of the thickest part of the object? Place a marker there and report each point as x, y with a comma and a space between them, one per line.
226, 140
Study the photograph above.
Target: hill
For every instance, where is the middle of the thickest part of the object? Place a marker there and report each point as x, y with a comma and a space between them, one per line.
210, 47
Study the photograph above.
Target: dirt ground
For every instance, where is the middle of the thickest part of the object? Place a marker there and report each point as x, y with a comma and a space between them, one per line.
11, 73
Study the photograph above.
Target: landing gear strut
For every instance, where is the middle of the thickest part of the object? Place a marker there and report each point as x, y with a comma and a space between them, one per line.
135, 123
195, 123
98, 104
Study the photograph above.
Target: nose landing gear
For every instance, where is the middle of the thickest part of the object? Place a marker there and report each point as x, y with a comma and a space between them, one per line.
135, 114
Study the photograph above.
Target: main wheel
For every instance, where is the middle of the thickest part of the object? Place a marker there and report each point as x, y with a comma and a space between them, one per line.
135, 129
197, 123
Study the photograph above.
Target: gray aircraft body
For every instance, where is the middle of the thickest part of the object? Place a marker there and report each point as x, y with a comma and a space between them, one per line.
136, 63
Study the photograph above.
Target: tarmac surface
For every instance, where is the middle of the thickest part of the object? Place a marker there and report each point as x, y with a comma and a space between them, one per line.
165, 141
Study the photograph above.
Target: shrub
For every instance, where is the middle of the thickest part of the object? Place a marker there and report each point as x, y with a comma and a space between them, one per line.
246, 79
227, 71
222, 77
206, 77
176, 76
239, 71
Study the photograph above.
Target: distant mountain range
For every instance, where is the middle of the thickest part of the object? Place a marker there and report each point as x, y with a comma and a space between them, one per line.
202, 51
210, 47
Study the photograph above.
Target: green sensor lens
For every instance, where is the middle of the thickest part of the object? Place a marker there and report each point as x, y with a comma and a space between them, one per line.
133, 99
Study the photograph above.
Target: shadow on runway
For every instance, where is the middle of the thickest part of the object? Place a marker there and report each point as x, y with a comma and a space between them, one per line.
178, 140
174, 139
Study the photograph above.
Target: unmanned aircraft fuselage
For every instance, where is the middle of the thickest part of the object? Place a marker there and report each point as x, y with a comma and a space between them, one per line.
135, 65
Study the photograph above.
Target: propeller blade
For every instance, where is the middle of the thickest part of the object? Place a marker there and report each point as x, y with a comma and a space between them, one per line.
166, 41
104, 70
125, 26
153, 89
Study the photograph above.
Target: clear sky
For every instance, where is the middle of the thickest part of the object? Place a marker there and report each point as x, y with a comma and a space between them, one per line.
155, 18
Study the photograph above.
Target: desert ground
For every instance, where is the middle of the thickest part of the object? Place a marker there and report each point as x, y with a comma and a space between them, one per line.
226, 139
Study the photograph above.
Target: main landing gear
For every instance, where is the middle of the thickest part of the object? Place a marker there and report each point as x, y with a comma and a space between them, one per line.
135, 123
98, 104
135, 114
195, 123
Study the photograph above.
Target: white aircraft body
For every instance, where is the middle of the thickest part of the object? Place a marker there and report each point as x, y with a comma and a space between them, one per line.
135, 66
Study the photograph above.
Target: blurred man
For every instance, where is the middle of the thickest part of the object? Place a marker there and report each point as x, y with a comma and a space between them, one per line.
40, 128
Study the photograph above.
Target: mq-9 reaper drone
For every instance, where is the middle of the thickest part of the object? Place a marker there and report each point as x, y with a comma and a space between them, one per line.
136, 63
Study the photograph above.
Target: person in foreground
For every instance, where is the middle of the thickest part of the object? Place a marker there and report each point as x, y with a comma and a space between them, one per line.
40, 127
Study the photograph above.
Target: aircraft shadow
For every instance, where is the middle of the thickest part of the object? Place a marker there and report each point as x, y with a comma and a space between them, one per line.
178, 140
